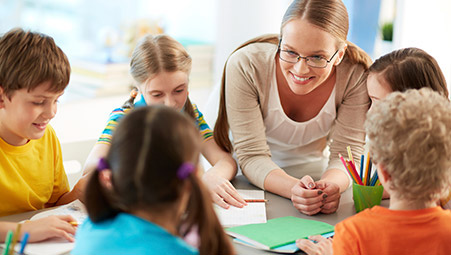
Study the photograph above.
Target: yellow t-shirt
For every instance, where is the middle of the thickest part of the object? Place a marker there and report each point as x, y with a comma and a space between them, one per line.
31, 175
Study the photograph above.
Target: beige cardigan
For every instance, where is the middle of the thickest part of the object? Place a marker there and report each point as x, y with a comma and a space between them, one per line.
248, 74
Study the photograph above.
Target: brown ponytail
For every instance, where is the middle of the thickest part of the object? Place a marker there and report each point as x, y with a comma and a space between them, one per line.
213, 239
221, 129
97, 201
357, 55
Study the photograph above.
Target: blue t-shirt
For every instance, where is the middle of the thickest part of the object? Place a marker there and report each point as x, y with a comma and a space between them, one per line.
127, 234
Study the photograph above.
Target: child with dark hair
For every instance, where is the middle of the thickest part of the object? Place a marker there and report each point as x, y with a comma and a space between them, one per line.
145, 195
401, 70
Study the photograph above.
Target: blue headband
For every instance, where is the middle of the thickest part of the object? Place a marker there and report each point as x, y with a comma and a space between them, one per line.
185, 170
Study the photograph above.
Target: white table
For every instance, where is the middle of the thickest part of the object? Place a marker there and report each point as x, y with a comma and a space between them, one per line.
276, 206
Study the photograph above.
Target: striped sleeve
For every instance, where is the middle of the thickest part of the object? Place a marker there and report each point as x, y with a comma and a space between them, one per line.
204, 129
107, 133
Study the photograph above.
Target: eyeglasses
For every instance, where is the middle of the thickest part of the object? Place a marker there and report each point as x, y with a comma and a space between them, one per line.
313, 61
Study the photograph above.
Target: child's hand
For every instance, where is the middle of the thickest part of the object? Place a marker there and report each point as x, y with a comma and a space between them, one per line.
49, 227
331, 196
320, 246
306, 197
222, 191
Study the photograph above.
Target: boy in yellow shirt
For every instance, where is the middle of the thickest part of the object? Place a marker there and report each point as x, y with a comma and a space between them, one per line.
34, 72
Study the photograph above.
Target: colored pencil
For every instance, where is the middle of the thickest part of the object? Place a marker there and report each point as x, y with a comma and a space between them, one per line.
15, 238
377, 183
255, 200
357, 177
374, 179
365, 174
370, 166
9, 237
24, 243
346, 166
362, 160
74, 223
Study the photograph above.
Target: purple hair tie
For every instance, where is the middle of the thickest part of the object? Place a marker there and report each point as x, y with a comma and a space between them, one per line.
185, 170
102, 165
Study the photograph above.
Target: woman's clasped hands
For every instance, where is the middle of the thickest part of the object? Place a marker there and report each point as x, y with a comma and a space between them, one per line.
310, 197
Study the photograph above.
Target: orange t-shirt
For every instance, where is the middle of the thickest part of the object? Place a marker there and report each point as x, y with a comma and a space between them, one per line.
383, 231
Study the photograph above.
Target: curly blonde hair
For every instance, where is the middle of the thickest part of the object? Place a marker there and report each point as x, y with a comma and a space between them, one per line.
409, 133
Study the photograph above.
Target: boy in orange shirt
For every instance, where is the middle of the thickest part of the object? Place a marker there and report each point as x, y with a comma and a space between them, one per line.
34, 72
410, 142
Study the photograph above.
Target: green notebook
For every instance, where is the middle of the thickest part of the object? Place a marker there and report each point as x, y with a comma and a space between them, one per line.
279, 231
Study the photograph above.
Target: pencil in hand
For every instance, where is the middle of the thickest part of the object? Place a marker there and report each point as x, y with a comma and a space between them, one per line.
255, 200
74, 223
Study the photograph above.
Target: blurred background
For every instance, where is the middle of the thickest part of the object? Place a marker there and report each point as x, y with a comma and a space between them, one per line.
99, 35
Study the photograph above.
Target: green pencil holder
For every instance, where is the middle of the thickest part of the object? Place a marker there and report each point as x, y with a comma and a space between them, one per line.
366, 196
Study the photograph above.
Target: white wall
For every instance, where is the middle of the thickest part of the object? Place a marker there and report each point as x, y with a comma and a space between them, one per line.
239, 21
425, 25
191, 19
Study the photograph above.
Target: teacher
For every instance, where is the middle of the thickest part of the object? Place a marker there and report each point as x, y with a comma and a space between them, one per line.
286, 98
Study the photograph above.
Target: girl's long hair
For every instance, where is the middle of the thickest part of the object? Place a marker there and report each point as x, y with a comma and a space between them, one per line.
148, 147
410, 68
155, 54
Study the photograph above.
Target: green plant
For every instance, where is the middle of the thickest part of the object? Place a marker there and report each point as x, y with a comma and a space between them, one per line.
387, 31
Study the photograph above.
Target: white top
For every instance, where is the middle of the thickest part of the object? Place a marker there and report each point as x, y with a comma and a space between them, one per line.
294, 143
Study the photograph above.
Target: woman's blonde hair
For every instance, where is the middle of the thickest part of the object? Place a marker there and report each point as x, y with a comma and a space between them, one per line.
330, 16
155, 54
409, 135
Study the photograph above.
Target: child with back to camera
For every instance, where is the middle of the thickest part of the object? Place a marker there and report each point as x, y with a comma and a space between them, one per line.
411, 146
160, 67
146, 194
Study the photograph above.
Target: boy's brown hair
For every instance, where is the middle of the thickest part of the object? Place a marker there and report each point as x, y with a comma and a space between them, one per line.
28, 59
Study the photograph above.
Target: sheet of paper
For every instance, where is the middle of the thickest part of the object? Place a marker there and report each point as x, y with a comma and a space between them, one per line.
252, 213
56, 246
75, 209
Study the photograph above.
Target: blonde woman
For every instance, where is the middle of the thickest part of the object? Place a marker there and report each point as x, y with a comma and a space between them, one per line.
286, 97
